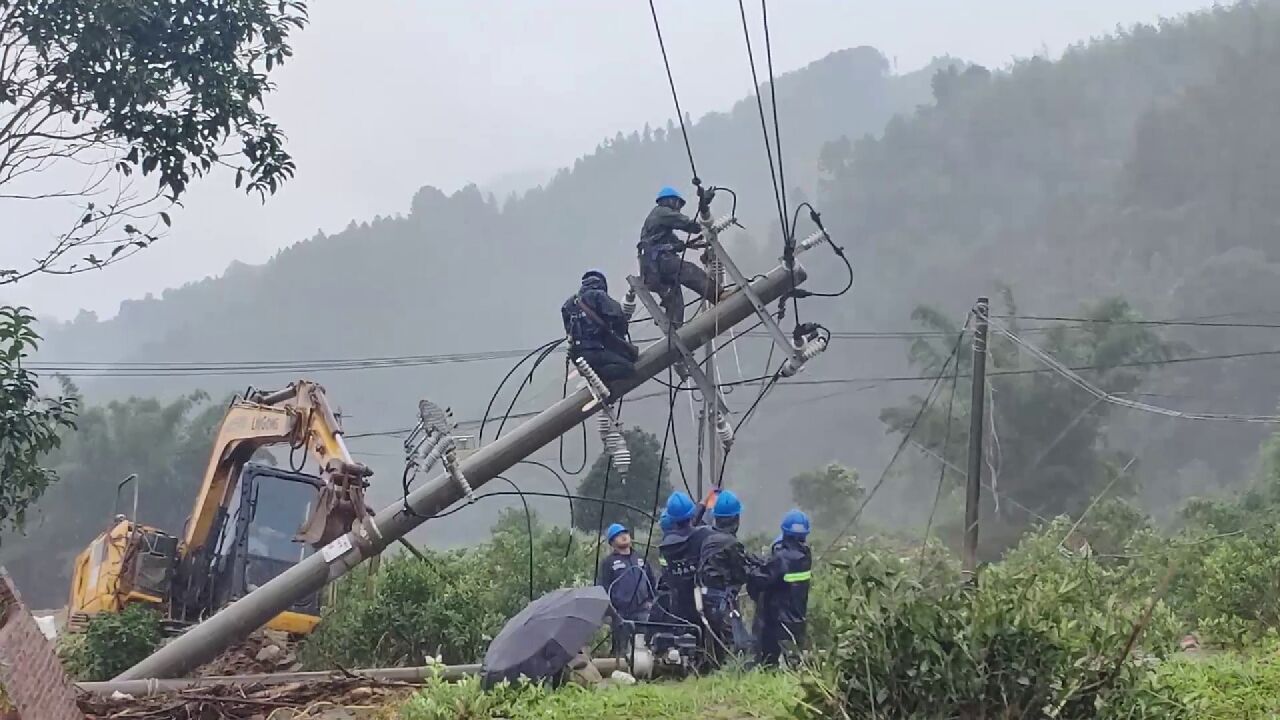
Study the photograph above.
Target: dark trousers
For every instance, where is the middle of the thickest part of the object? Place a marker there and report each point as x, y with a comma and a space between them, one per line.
666, 280
731, 635
777, 638
609, 365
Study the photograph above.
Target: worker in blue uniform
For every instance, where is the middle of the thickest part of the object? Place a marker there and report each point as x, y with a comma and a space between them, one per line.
780, 588
662, 267
681, 550
628, 579
722, 570
598, 329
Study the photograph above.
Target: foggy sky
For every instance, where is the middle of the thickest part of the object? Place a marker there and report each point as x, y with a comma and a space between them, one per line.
384, 97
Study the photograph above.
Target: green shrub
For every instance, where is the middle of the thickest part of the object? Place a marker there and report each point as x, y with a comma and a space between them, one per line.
111, 643
450, 604
1042, 635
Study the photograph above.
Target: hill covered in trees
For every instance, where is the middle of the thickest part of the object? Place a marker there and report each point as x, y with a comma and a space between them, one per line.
1142, 165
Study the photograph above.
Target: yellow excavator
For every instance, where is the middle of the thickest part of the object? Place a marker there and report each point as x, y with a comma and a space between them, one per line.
250, 521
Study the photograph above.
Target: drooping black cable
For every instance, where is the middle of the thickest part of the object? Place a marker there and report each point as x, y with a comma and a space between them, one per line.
906, 438
532, 493
789, 230
568, 548
675, 98
528, 520
942, 466
764, 126
493, 398
724, 462
839, 251
564, 393
528, 380
662, 458
604, 495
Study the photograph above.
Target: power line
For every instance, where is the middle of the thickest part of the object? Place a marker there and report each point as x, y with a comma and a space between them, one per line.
1190, 322
1068, 373
675, 98
906, 438
872, 382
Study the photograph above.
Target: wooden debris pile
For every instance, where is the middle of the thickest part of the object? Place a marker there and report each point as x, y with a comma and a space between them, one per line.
337, 699
265, 651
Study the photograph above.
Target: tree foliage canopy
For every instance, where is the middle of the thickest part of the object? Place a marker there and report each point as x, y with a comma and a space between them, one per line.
116, 86
1046, 441
830, 495
646, 486
31, 425
166, 444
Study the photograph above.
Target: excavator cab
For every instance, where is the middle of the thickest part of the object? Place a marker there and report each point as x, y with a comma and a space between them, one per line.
259, 540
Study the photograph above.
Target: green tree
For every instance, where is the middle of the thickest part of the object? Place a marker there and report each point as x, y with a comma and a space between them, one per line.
30, 424
830, 495
645, 487
105, 88
166, 444
1049, 445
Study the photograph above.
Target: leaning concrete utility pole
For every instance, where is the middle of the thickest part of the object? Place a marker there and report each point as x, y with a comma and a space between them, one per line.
203, 642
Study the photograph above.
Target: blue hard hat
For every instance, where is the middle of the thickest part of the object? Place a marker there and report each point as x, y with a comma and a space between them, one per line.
614, 531
680, 507
727, 505
596, 273
665, 522
670, 192
795, 523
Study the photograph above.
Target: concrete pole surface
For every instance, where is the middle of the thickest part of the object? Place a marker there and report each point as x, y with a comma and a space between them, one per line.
448, 673
233, 623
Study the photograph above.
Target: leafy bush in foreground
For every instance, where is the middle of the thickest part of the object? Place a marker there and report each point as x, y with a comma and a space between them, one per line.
449, 604
1043, 635
111, 643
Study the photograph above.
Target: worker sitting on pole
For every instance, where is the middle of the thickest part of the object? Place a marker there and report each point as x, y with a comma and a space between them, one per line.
630, 584
780, 588
598, 329
722, 571
662, 269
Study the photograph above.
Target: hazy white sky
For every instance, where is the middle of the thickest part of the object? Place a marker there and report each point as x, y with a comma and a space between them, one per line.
385, 96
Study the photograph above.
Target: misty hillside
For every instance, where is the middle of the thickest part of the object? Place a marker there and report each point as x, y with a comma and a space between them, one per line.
467, 272
1143, 165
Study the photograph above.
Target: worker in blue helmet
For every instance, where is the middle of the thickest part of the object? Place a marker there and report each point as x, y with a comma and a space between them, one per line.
598, 330
662, 266
681, 549
722, 571
628, 579
780, 588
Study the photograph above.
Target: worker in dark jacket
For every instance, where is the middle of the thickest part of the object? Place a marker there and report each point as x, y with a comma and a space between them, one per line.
629, 581
681, 550
598, 329
780, 588
662, 268
722, 571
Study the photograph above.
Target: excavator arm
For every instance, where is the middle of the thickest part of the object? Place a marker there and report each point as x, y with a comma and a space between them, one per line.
299, 415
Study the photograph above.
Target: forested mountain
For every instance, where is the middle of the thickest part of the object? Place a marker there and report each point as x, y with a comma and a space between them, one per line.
458, 273
1143, 165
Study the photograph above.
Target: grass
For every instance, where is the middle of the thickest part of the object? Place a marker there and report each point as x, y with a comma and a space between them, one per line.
1224, 686
726, 696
